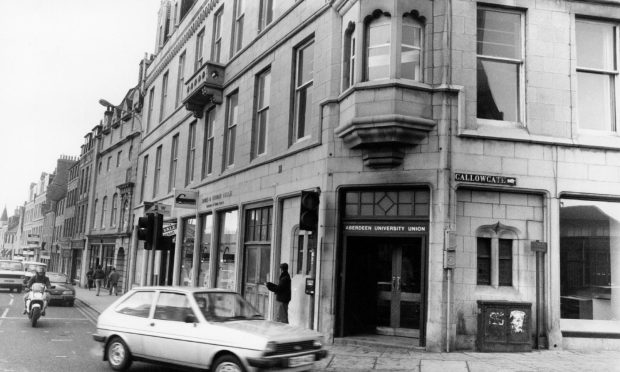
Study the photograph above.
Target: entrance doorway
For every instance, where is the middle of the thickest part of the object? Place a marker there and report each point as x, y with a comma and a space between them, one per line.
384, 286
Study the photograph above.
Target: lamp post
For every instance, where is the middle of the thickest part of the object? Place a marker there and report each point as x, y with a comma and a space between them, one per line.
105, 103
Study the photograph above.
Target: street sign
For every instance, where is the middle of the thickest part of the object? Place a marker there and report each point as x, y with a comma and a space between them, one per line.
538, 246
484, 178
185, 198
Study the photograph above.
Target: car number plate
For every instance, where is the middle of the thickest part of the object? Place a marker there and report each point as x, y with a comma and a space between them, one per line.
9, 280
300, 360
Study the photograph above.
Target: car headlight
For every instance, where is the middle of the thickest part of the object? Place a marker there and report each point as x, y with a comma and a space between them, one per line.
317, 344
270, 347
67, 292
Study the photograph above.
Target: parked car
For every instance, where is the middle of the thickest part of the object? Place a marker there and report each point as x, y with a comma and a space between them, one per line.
201, 328
12, 275
30, 268
62, 291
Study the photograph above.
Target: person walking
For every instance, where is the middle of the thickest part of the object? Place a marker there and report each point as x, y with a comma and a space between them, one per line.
283, 293
113, 281
89, 278
99, 277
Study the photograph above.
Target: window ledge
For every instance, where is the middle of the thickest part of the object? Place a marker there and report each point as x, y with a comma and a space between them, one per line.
509, 131
589, 326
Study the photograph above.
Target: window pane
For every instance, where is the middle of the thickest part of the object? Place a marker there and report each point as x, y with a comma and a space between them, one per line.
484, 261
410, 54
498, 91
379, 50
505, 262
306, 64
595, 45
589, 261
594, 101
499, 34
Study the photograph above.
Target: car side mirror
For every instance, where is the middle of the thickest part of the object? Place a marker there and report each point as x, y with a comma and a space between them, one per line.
53, 287
190, 318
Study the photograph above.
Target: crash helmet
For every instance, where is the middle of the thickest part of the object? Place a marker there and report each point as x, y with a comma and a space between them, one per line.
40, 270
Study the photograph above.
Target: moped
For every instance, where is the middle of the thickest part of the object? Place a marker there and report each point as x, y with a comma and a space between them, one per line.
36, 302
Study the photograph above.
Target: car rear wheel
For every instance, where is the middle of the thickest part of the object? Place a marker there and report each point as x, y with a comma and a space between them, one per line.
118, 355
228, 363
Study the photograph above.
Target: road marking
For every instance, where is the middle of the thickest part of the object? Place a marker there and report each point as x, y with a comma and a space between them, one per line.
11, 302
6, 311
61, 356
64, 339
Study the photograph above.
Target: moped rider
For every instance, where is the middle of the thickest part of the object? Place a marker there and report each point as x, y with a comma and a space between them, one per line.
38, 277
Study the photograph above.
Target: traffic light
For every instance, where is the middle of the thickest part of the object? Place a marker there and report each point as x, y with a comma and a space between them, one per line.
309, 210
146, 227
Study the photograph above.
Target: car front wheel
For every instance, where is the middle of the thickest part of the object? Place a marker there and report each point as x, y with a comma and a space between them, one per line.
118, 355
228, 363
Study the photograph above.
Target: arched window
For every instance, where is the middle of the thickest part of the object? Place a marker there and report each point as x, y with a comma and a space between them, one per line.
103, 207
411, 48
114, 209
125, 215
378, 42
348, 57
496, 247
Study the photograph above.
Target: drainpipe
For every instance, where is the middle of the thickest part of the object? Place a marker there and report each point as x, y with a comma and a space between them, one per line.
445, 143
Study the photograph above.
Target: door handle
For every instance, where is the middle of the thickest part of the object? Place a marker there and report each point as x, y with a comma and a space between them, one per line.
393, 283
398, 283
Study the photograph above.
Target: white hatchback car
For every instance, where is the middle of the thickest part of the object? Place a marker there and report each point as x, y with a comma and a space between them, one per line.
201, 328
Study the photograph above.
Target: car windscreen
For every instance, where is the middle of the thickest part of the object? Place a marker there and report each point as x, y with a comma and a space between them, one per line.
57, 278
221, 307
11, 266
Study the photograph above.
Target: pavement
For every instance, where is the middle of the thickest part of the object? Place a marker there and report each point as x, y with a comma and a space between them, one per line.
359, 357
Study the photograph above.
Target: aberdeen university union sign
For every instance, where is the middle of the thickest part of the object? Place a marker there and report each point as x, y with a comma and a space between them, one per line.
487, 179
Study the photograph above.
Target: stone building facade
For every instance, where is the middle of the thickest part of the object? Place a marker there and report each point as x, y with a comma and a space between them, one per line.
456, 146
109, 224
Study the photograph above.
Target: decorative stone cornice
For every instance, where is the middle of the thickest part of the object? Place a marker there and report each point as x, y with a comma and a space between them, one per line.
184, 35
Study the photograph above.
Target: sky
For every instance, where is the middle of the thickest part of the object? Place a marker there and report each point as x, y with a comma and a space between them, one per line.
57, 59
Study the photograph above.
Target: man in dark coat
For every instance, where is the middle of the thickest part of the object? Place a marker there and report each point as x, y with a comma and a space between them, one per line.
283, 293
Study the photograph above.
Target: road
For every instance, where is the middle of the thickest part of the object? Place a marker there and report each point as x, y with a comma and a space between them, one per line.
62, 340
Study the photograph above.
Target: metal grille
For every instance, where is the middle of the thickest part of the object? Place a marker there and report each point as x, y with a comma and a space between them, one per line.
294, 347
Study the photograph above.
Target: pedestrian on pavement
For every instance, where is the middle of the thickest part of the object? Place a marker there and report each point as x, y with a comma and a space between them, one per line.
113, 281
99, 277
89, 278
283, 293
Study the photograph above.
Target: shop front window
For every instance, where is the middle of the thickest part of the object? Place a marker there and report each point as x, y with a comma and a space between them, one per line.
204, 277
590, 264
187, 255
227, 250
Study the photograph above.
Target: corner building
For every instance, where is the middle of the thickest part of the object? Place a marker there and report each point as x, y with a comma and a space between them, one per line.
458, 150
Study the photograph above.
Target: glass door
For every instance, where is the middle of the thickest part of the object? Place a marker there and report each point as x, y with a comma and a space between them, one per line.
399, 287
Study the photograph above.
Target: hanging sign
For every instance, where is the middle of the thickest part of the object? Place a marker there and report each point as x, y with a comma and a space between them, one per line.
185, 198
484, 178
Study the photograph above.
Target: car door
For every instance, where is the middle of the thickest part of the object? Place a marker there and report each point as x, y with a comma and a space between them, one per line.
133, 320
172, 339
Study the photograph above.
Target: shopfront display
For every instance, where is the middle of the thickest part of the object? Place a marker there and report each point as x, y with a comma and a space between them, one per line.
589, 265
227, 250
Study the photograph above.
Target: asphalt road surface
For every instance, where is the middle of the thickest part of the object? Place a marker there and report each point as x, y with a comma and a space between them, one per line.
62, 340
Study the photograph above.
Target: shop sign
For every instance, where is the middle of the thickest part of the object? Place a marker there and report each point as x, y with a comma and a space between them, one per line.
398, 228
215, 200
486, 179
66, 253
169, 229
185, 198
45, 255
